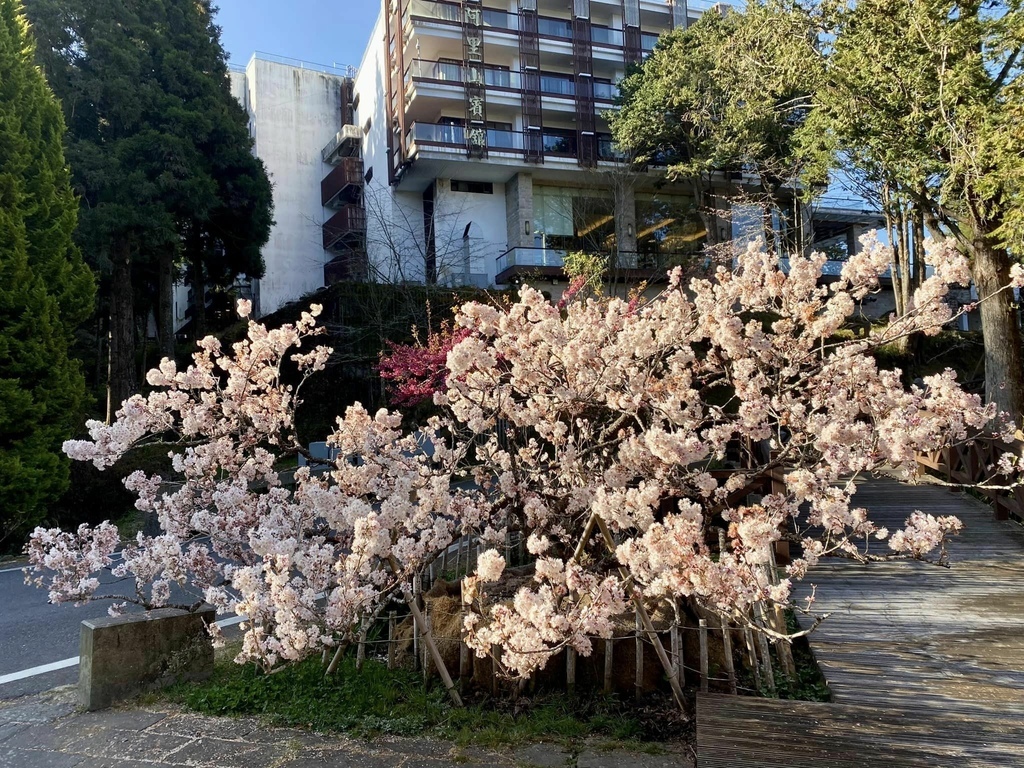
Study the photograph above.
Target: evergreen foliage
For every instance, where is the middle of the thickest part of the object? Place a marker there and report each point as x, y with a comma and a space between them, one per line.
45, 289
161, 157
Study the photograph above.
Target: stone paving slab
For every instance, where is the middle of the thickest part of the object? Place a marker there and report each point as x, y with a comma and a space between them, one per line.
46, 731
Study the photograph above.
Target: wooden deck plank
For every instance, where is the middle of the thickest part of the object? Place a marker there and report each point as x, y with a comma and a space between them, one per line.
926, 664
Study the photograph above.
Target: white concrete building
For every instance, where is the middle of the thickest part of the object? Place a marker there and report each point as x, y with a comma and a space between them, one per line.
294, 110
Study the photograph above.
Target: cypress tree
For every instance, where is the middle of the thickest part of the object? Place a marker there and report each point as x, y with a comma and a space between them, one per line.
45, 290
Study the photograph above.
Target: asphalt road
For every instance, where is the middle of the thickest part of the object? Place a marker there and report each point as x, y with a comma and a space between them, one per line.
34, 633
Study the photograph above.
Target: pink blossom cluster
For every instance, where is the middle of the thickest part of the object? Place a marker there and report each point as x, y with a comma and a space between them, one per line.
624, 440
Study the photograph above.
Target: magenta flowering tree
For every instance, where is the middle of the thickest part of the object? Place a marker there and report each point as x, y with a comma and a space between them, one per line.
599, 430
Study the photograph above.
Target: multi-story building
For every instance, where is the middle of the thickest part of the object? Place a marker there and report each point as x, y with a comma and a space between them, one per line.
484, 132
472, 148
294, 109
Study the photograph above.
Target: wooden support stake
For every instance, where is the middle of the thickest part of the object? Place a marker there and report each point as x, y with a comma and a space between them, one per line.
609, 655
778, 621
704, 671
639, 681
666, 663
755, 668
416, 626
426, 656
392, 639
677, 649
494, 670
730, 669
570, 671
361, 648
417, 616
444, 562
766, 663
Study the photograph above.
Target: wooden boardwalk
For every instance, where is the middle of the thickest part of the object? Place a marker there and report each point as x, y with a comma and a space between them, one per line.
926, 664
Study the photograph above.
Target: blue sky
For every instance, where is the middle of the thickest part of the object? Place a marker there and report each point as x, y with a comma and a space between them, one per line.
317, 31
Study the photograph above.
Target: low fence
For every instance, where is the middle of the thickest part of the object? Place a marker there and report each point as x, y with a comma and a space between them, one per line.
976, 463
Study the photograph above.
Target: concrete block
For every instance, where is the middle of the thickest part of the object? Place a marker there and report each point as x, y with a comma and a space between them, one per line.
123, 656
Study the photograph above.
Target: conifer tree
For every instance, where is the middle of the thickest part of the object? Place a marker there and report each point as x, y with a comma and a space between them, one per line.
45, 289
161, 157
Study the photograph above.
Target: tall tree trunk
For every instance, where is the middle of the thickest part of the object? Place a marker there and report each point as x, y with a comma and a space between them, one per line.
165, 305
198, 280
1004, 362
121, 381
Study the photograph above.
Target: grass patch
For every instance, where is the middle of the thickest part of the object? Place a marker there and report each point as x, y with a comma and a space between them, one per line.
377, 701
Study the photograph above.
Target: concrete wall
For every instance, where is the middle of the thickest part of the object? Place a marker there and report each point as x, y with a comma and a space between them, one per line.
294, 112
485, 217
124, 655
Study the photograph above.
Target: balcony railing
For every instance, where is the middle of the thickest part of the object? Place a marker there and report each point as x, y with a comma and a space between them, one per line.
547, 26
455, 135
346, 143
832, 268
554, 259
551, 83
343, 183
346, 228
455, 73
557, 144
452, 12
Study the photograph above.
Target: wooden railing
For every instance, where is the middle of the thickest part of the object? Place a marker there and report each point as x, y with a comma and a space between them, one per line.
976, 463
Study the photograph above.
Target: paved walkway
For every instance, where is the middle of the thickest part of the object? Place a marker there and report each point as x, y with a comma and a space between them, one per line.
926, 664
46, 731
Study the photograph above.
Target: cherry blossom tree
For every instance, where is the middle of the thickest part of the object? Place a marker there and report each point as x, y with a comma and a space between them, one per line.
604, 431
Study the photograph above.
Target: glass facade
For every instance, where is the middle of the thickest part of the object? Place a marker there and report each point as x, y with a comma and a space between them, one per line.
572, 219
668, 224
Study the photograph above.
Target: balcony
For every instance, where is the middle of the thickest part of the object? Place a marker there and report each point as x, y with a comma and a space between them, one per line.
518, 263
429, 134
449, 12
455, 73
346, 229
551, 83
347, 143
503, 21
557, 143
350, 265
343, 184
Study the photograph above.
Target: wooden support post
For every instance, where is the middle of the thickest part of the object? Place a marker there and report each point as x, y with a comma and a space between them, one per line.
416, 626
417, 616
609, 656
426, 655
705, 673
361, 648
639, 677
677, 649
730, 668
766, 663
444, 562
392, 640
666, 663
495, 650
570, 671
755, 668
777, 618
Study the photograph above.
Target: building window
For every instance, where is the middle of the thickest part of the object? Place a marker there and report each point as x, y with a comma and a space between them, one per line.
574, 219
366, 128
368, 177
474, 187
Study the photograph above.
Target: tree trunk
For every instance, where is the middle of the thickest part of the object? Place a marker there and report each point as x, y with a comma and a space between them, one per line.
1004, 364
165, 305
121, 381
